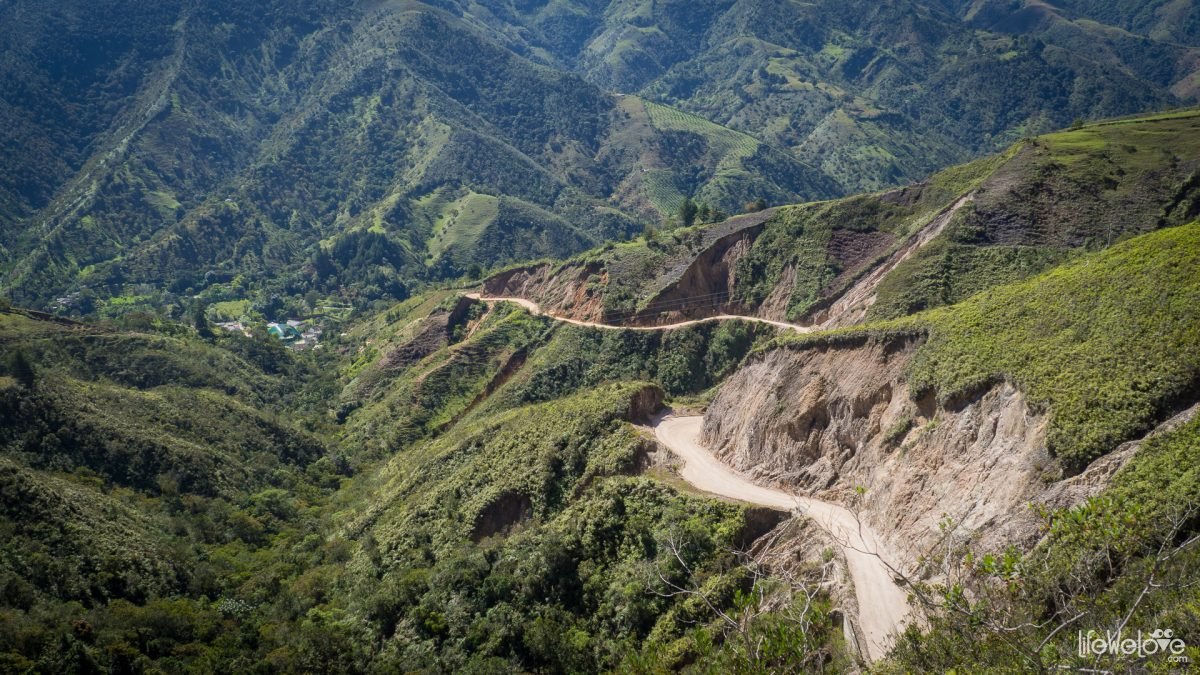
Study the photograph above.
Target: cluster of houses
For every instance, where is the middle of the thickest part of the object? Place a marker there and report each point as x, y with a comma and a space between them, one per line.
297, 334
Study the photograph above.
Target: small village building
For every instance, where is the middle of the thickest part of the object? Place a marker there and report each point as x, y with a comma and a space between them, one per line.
283, 331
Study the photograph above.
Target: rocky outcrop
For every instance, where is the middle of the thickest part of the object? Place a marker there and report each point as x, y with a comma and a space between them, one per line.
795, 421
689, 286
827, 421
433, 334
644, 403
502, 515
759, 522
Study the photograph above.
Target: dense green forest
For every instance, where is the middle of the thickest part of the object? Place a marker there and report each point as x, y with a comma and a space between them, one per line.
175, 503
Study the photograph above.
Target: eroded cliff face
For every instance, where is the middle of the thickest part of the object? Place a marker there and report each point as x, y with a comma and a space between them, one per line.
695, 279
572, 292
827, 421
851, 305
705, 286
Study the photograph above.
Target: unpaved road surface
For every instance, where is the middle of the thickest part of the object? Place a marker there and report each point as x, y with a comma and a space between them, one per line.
883, 605
535, 309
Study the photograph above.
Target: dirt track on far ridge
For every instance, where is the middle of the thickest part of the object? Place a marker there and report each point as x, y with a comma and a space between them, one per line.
537, 310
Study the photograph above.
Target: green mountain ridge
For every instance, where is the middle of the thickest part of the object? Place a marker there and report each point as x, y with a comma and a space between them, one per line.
882, 93
1019, 213
353, 131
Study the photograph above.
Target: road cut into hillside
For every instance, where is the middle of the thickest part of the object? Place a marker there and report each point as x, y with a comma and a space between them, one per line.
882, 604
534, 308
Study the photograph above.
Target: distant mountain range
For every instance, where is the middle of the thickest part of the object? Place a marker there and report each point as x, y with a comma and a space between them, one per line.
156, 152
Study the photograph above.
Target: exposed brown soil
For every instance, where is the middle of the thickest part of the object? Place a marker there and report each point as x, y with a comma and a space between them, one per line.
572, 291
499, 517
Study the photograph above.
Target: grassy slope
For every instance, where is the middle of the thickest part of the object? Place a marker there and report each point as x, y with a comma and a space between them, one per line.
1107, 342
1033, 206
567, 588
539, 452
462, 221
726, 148
401, 406
552, 439
799, 239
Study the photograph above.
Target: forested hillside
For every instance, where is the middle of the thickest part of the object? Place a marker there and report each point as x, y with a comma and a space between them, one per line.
879, 93
174, 502
359, 151
403, 140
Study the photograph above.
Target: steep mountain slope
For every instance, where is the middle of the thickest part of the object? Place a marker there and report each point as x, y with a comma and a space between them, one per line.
237, 141
356, 150
944, 429
889, 254
879, 93
1076, 342
1160, 20
459, 485
143, 471
940, 428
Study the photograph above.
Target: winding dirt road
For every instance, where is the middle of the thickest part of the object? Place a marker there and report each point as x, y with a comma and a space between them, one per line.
883, 605
534, 308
